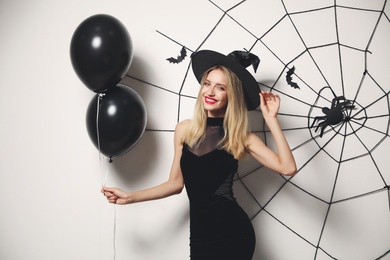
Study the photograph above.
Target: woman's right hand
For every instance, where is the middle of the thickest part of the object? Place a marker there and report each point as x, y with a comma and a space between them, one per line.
115, 195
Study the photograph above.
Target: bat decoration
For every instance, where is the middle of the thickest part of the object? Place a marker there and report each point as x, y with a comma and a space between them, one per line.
180, 58
289, 74
245, 58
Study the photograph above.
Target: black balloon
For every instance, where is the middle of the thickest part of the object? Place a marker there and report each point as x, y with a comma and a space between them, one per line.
101, 52
119, 117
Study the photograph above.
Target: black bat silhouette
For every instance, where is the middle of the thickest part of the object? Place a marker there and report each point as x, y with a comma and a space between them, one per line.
289, 74
183, 54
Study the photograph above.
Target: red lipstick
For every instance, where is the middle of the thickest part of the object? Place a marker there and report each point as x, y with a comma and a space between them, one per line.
209, 100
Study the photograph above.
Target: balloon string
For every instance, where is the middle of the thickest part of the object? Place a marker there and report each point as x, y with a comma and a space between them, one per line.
114, 235
99, 98
101, 158
104, 179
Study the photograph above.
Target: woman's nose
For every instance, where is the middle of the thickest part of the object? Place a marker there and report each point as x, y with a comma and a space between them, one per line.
210, 91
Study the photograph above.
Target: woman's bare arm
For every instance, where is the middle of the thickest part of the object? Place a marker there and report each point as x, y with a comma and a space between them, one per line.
174, 184
281, 161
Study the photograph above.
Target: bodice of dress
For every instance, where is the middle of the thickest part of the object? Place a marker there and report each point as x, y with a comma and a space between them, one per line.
207, 169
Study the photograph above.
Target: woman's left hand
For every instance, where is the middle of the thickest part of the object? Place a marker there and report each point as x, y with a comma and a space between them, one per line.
269, 104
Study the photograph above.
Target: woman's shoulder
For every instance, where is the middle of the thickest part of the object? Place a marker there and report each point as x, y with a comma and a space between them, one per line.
182, 126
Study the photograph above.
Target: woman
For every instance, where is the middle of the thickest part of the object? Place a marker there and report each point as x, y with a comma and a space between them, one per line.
206, 154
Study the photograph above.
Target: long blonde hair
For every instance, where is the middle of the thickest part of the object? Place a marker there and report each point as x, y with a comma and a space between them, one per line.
235, 124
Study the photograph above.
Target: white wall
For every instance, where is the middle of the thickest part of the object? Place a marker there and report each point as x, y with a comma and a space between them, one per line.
50, 173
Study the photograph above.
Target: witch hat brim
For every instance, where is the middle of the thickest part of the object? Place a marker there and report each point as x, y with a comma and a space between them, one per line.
205, 59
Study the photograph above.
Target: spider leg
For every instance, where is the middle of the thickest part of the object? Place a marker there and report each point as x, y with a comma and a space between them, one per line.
348, 107
322, 130
346, 104
323, 124
318, 126
336, 100
317, 118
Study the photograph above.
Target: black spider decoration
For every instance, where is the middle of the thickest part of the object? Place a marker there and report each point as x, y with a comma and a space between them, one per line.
335, 114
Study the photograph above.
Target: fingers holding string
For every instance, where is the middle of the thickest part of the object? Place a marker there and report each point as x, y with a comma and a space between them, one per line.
111, 197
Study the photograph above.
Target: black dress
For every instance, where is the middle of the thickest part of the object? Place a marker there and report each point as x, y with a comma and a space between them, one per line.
219, 228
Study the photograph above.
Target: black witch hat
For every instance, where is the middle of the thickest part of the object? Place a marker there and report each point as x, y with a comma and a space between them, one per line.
236, 61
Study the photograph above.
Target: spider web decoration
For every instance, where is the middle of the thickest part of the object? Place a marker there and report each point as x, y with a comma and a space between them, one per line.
338, 205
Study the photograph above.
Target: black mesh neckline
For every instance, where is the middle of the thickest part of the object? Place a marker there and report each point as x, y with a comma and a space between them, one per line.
215, 121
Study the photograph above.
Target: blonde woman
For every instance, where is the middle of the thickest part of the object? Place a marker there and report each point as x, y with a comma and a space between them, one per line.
206, 154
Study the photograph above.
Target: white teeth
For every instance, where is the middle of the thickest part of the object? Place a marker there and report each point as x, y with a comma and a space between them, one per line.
210, 100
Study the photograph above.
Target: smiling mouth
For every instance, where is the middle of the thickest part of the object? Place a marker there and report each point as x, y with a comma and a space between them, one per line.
210, 101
